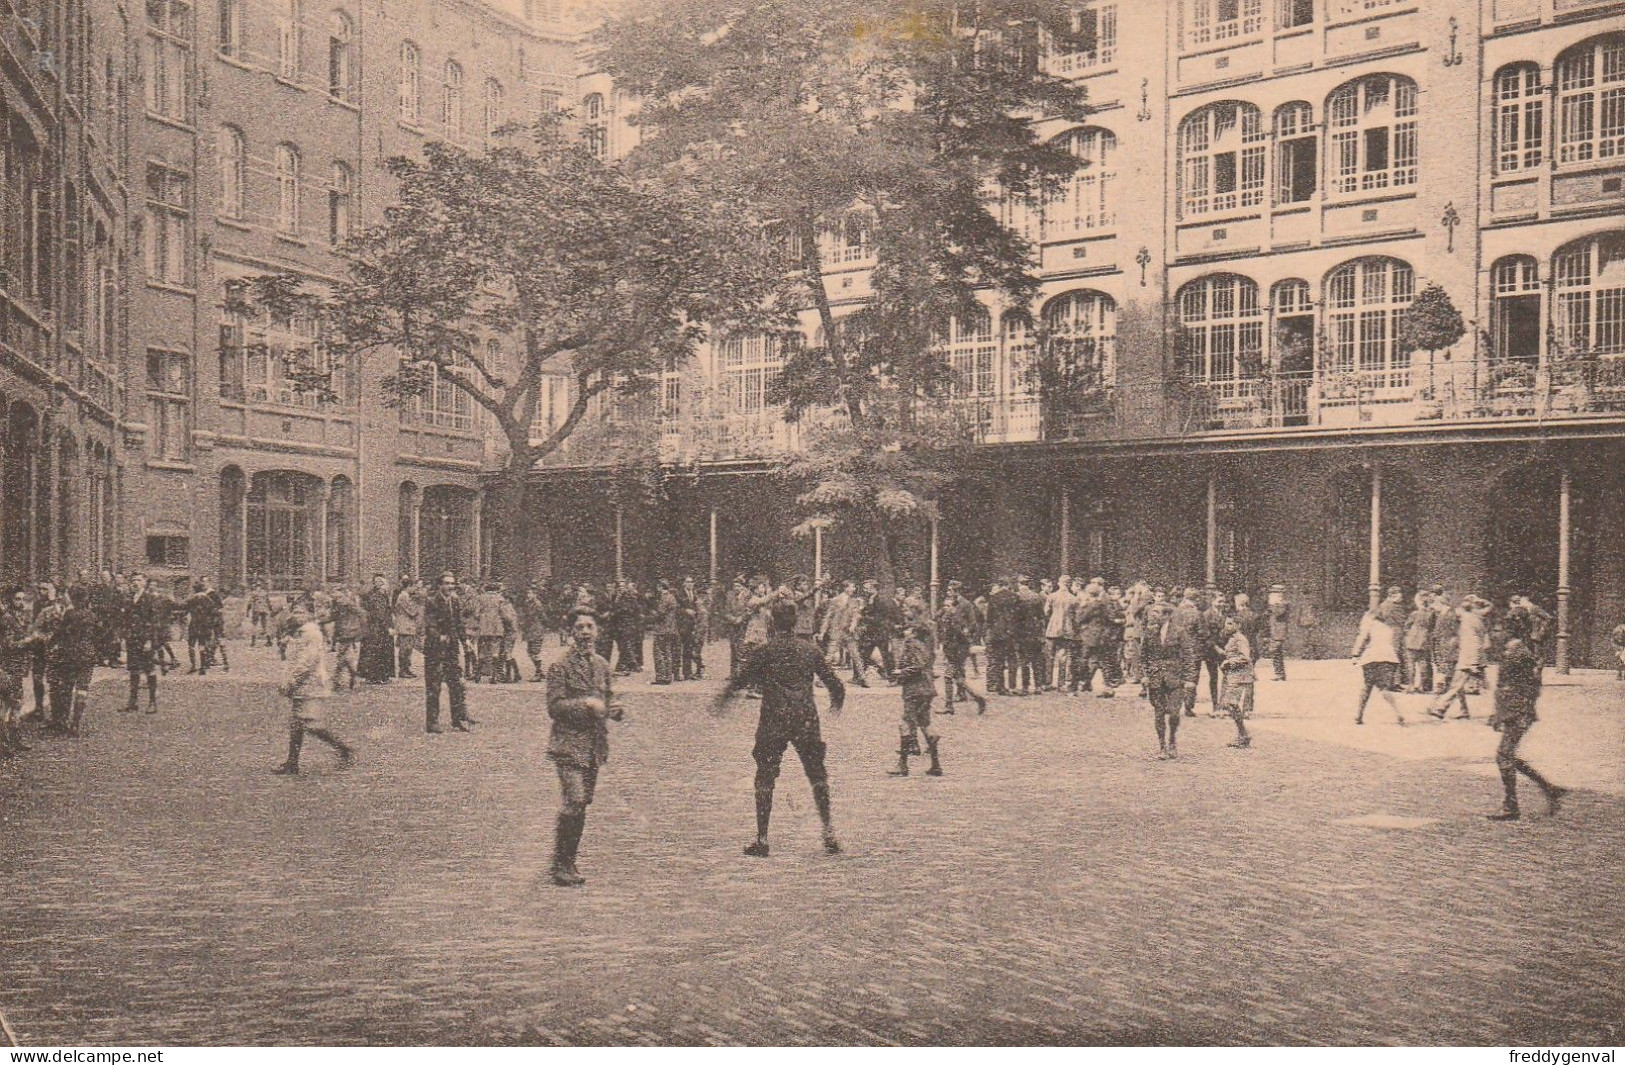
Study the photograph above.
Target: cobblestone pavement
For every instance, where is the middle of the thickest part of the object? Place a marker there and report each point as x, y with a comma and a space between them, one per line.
1059, 885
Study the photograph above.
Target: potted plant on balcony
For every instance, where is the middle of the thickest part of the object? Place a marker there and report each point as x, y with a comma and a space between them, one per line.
1431, 324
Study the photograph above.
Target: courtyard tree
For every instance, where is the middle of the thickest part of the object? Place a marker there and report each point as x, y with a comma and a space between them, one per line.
575, 267
864, 131
1432, 324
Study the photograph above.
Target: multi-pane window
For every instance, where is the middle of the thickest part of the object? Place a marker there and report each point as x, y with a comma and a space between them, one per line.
1365, 301
255, 357
971, 352
552, 404
169, 393
168, 44
451, 99
747, 366
1086, 203
597, 127
1294, 335
1591, 100
170, 552
1372, 128
287, 190
443, 403
1216, 21
339, 193
232, 151
1588, 278
1296, 164
1223, 328
1290, 14
1222, 153
491, 108
1022, 213
1095, 24
1520, 118
290, 37
1082, 334
341, 58
411, 83
232, 18
1515, 301
169, 224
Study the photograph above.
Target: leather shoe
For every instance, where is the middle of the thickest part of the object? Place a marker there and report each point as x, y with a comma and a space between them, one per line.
756, 849
1504, 815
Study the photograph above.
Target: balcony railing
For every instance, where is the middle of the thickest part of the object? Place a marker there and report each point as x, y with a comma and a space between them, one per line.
1447, 393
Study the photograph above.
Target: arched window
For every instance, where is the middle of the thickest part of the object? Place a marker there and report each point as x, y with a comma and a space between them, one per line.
747, 365
290, 37
287, 189
1086, 204
1520, 118
1515, 300
1082, 337
1591, 100
1223, 328
1372, 125
280, 520
969, 348
1588, 277
1364, 302
1296, 155
338, 205
597, 131
341, 57
451, 99
491, 116
1221, 159
233, 154
411, 83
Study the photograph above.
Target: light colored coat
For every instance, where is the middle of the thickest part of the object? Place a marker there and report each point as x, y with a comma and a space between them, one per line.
1378, 641
304, 674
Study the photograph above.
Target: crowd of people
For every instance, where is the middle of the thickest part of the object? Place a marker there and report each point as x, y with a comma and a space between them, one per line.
1022, 636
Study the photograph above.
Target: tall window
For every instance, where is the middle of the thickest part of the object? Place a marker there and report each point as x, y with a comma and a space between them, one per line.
970, 349
231, 27
1515, 300
168, 43
338, 205
411, 87
597, 126
1212, 21
290, 37
848, 239
748, 364
1086, 204
255, 355
1589, 280
341, 58
168, 225
1022, 213
1296, 162
451, 99
1372, 126
169, 394
491, 108
281, 511
1591, 100
1365, 300
287, 190
1223, 328
1221, 151
1520, 118
233, 155
1293, 13
1095, 23
445, 405
1082, 328
1294, 339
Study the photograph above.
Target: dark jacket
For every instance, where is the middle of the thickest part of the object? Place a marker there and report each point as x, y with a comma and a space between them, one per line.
1002, 621
1169, 653
146, 621
914, 670
957, 624
442, 626
73, 641
1517, 687
580, 736
782, 669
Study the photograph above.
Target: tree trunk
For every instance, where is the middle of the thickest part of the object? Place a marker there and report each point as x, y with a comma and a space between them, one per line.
513, 531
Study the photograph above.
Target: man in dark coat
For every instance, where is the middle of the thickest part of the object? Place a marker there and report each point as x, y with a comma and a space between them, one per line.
580, 703
875, 624
377, 661
1171, 661
783, 670
442, 655
146, 619
1033, 668
663, 625
957, 622
1517, 689
1279, 611
71, 659
1002, 660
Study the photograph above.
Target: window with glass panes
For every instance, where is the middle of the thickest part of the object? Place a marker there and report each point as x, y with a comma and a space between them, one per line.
972, 353
232, 152
168, 50
1296, 156
1222, 155
1365, 301
287, 189
451, 99
1094, 22
445, 405
1589, 282
1082, 332
491, 119
1086, 204
1520, 118
169, 394
1372, 131
748, 364
1223, 328
341, 57
1515, 301
1213, 21
338, 204
410, 85
168, 225
1591, 100
290, 38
